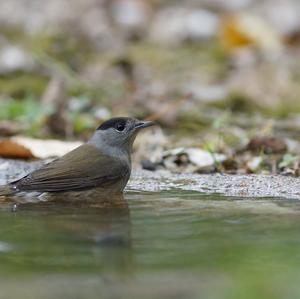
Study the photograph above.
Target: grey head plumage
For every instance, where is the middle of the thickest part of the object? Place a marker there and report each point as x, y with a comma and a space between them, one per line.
103, 162
117, 135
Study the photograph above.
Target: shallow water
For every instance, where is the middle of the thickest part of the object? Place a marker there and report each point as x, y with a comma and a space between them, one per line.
174, 244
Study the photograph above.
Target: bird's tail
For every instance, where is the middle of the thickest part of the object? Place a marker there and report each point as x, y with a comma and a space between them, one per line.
6, 190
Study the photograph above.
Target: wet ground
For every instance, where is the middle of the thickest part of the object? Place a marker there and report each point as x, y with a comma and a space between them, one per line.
160, 241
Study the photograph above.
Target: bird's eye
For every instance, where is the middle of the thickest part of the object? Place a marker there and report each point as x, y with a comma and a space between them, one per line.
120, 127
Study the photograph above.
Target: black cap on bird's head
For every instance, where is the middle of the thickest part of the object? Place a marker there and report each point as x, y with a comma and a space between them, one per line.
118, 123
122, 123
119, 131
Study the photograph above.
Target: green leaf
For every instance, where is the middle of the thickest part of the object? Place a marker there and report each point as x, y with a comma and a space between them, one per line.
288, 160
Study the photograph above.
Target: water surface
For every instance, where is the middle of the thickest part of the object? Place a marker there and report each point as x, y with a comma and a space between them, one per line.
174, 244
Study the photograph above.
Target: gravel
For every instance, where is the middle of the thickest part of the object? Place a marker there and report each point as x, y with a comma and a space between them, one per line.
246, 186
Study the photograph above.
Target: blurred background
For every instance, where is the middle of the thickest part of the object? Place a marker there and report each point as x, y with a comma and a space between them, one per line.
221, 78
213, 73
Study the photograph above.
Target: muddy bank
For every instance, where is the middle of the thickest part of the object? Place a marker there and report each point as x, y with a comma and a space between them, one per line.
229, 185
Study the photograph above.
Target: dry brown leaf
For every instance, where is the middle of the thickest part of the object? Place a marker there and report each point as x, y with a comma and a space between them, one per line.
27, 148
242, 30
13, 150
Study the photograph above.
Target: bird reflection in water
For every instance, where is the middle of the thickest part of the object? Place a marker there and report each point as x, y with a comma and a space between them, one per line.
94, 222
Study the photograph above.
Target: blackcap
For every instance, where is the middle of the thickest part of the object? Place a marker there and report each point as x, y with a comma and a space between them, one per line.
103, 162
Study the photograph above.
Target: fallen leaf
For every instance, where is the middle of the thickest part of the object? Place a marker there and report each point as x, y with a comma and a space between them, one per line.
12, 150
28, 148
243, 30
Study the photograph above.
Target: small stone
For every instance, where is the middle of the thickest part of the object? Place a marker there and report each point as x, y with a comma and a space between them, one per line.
254, 163
283, 16
13, 59
269, 145
130, 13
177, 24
102, 113
148, 165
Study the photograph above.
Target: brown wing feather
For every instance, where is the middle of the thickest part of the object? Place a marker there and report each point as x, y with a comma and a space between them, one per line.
74, 172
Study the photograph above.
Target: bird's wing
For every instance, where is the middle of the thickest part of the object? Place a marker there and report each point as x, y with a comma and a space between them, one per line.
83, 168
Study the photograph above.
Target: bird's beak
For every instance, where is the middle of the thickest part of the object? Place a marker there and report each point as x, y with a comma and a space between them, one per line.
143, 124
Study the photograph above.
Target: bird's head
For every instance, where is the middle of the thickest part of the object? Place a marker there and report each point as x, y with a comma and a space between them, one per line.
118, 132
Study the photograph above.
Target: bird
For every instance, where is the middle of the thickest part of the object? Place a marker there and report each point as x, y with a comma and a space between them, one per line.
103, 163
